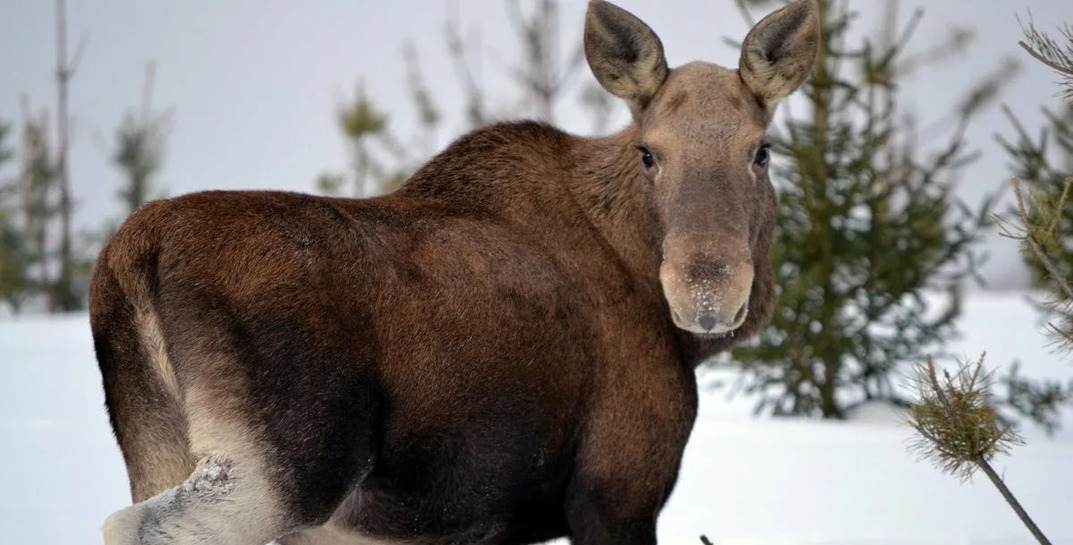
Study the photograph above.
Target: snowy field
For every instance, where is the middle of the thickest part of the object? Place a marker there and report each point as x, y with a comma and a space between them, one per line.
745, 481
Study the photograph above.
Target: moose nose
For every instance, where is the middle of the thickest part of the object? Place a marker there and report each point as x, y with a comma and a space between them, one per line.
709, 320
707, 295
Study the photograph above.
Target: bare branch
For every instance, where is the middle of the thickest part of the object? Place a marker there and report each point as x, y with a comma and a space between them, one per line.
1048, 51
456, 48
1041, 58
745, 14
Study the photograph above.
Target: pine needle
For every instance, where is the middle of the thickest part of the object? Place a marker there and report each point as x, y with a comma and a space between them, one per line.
1037, 229
956, 422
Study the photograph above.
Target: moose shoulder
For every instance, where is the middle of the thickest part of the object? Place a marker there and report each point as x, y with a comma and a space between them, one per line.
501, 352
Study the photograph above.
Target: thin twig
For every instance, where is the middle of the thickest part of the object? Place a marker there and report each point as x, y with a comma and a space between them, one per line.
1050, 64
1012, 500
749, 20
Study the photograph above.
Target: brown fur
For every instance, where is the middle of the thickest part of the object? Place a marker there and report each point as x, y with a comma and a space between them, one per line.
489, 355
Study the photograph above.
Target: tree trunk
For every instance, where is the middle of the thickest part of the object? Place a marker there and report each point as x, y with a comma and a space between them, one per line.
820, 213
61, 293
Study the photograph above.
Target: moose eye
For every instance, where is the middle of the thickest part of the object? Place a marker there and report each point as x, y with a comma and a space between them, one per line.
763, 155
647, 159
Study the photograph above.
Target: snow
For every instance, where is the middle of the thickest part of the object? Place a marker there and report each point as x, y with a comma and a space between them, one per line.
744, 481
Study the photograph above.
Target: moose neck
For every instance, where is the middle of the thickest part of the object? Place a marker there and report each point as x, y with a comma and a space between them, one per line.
608, 184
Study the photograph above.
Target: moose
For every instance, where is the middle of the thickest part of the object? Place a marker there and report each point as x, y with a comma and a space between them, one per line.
503, 351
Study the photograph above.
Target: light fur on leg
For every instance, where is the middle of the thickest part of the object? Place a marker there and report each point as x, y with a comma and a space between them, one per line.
223, 502
227, 500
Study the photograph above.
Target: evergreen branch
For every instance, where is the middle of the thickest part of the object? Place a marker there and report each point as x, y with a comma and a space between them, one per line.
1041, 401
1041, 57
1046, 50
464, 73
955, 418
959, 428
1052, 228
1033, 243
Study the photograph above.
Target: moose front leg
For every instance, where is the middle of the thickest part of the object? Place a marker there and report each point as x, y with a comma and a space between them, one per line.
606, 514
615, 498
627, 464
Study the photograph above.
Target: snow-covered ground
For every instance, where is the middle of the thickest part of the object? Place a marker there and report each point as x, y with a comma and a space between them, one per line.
744, 480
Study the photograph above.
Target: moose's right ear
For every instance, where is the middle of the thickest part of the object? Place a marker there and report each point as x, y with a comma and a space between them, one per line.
780, 50
624, 54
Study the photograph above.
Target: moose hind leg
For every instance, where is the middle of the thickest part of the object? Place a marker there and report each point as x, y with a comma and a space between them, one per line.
223, 501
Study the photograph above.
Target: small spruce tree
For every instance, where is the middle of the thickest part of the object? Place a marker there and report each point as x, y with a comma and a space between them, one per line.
543, 75
139, 149
1044, 164
868, 226
38, 208
14, 259
361, 123
68, 289
956, 420
1042, 222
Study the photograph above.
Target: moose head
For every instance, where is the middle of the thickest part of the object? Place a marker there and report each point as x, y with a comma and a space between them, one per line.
701, 146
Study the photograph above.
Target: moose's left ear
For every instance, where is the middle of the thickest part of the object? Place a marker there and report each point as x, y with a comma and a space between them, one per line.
625, 55
780, 50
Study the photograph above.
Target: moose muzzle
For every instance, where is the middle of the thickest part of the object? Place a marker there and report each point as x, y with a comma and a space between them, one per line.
708, 294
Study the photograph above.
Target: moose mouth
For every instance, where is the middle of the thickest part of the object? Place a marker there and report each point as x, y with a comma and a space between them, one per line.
706, 324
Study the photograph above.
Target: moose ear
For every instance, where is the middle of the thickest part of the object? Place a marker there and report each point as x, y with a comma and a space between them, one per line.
780, 50
624, 54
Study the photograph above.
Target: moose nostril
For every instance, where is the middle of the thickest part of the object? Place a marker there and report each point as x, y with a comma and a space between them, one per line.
741, 313
707, 321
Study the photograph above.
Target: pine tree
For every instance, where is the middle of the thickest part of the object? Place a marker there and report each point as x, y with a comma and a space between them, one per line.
65, 293
1043, 215
1042, 221
957, 423
1044, 164
359, 121
378, 163
5, 153
140, 148
37, 207
14, 260
868, 226
543, 76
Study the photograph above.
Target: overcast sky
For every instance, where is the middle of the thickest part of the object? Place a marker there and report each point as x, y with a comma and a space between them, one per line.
253, 86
